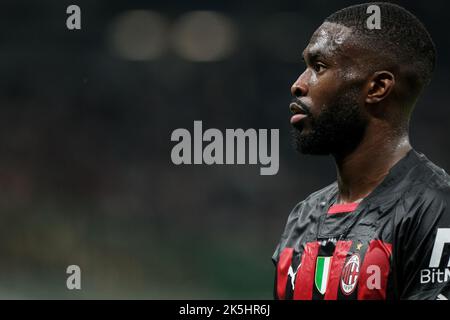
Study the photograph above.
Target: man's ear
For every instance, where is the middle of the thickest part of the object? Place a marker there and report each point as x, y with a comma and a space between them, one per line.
380, 86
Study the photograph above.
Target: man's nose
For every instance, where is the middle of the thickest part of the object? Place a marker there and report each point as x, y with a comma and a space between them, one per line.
299, 88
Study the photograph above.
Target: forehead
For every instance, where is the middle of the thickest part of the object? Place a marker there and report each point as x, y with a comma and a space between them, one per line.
330, 40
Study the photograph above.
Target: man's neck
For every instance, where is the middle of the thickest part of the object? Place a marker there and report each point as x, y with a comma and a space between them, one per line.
362, 170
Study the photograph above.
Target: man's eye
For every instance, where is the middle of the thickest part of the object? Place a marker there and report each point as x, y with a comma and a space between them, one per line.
319, 67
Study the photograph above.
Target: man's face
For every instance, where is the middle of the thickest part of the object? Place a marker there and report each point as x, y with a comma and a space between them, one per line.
328, 117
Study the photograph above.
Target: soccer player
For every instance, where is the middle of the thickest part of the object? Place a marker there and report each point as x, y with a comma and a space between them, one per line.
382, 230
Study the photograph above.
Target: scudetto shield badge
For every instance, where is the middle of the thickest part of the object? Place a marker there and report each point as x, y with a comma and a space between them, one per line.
350, 275
323, 265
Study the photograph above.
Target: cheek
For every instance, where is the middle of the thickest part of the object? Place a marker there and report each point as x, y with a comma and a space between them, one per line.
325, 88
325, 96
313, 79
325, 84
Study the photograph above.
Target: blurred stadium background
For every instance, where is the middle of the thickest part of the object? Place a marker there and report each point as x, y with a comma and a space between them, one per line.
85, 124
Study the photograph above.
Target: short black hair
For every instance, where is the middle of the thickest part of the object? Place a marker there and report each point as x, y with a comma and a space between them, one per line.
401, 39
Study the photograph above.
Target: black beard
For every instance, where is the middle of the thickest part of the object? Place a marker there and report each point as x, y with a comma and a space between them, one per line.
337, 130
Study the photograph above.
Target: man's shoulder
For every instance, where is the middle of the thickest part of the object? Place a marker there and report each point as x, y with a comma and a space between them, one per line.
429, 191
439, 179
432, 182
312, 199
415, 173
322, 194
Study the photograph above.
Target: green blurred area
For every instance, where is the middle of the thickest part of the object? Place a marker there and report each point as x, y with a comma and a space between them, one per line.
130, 256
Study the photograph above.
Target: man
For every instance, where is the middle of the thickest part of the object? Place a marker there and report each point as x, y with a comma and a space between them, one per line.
382, 230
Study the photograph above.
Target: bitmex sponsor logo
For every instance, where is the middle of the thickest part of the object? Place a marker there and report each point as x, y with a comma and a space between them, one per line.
434, 274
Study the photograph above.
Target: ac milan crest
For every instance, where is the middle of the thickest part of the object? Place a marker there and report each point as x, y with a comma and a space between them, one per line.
350, 275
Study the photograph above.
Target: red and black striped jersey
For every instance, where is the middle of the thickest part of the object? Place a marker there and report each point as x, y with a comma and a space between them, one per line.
394, 244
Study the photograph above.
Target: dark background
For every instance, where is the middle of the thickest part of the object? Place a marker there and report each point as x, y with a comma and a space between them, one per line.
85, 171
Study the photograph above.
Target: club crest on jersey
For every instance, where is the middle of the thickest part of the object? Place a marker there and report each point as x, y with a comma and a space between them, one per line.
323, 265
350, 275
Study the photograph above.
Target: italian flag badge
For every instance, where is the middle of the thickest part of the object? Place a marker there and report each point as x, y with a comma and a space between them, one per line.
323, 265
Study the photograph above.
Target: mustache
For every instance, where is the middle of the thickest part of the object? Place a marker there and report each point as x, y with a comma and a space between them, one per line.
304, 106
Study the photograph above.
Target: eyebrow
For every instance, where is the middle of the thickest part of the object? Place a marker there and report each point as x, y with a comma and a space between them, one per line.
311, 55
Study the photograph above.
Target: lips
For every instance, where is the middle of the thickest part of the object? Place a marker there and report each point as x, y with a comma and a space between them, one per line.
298, 111
297, 117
